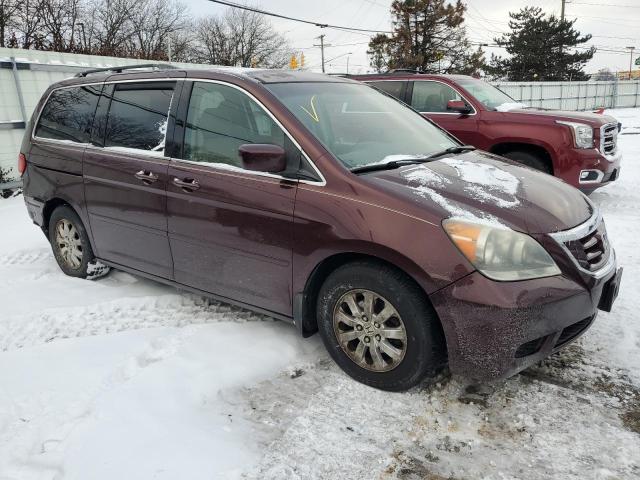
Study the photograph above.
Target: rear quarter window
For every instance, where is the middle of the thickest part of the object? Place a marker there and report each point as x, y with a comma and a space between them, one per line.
393, 88
68, 114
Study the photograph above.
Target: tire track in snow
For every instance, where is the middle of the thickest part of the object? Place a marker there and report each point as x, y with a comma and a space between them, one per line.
25, 257
175, 310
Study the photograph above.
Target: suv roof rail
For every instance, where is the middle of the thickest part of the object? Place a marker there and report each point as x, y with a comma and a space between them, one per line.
403, 70
156, 66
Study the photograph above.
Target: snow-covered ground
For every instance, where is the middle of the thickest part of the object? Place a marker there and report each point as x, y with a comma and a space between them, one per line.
125, 378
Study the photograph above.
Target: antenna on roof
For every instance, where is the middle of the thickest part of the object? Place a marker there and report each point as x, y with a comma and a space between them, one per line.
153, 66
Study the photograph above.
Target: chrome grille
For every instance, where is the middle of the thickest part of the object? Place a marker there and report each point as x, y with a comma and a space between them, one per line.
609, 139
592, 250
588, 247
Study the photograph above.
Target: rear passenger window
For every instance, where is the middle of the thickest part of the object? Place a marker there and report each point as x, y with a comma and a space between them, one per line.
68, 114
138, 116
220, 119
392, 88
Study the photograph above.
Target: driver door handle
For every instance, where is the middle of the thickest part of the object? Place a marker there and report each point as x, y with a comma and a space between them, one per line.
187, 184
146, 176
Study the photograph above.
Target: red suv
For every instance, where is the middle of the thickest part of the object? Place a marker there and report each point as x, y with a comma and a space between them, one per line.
578, 147
324, 203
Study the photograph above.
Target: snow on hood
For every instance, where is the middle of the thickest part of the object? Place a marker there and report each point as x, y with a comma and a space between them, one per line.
507, 107
425, 182
486, 182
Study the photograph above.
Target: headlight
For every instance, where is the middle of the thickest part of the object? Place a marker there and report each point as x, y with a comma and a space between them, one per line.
499, 252
582, 134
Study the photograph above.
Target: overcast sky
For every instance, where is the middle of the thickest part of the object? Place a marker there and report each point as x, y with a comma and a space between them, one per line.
614, 26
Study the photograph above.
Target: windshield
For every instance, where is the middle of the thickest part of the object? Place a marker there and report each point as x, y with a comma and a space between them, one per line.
487, 94
359, 125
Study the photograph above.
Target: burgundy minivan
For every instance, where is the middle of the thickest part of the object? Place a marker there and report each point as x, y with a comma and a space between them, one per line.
323, 202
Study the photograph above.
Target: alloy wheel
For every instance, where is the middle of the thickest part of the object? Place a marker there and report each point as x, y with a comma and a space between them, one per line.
370, 330
69, 243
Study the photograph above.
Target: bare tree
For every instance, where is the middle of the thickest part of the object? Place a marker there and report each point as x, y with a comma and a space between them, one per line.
29, 24
239, 38
59, 22
153, 22
8, 17
213, 42
109, 27
150, 29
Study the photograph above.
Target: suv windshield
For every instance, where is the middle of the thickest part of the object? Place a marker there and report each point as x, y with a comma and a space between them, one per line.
487, 94
359, 125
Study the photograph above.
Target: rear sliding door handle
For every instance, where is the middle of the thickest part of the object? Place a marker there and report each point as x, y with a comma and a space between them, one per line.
146, 176
187, 184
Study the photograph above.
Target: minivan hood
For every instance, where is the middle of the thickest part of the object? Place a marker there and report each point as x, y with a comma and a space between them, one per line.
590, 118
481, 186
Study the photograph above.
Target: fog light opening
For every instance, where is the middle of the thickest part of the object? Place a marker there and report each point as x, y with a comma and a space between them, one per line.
591, 176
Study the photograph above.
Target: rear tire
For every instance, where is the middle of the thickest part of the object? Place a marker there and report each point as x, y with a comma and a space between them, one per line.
71, 247
393, 353
530, 160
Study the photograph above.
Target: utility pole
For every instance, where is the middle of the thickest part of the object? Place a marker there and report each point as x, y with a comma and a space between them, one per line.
322, 45
562, 10
631, 50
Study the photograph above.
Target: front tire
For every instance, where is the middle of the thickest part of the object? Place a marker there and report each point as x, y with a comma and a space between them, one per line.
71, 247
530, 160
379, 327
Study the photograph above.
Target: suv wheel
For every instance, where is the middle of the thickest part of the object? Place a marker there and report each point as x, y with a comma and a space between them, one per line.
378, 326
530, 160
71, 247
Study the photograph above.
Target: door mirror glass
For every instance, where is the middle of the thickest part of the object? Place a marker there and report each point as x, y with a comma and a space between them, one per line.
263, 157
458, 106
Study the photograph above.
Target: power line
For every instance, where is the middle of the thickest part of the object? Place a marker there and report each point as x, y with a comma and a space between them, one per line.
605, 5
293, 19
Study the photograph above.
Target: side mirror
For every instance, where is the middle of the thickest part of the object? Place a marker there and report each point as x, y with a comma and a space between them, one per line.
263, 157
458, 106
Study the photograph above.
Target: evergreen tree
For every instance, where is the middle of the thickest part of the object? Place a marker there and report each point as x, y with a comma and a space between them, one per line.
541, 48
428, 36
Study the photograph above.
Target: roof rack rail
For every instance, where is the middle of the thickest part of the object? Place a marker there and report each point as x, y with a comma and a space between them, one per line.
403, 70
156, 66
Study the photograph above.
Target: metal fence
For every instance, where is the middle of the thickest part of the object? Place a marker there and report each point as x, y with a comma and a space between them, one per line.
575, 95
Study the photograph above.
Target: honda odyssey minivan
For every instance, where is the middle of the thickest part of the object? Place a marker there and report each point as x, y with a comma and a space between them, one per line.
322, 202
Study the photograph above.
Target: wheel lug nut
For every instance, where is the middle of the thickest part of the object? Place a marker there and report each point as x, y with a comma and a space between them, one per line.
378, 337
364, 318
367, 339
377, 325
358, 327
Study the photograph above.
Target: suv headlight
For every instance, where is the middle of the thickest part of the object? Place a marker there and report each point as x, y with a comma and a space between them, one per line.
499, 252
582, 133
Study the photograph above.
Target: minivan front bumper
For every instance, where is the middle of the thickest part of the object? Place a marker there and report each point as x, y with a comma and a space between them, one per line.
496, 329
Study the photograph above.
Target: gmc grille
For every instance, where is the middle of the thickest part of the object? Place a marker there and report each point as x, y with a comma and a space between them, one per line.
609, 139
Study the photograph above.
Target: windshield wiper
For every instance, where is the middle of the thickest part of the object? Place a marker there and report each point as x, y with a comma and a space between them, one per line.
390, 165
458, 149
